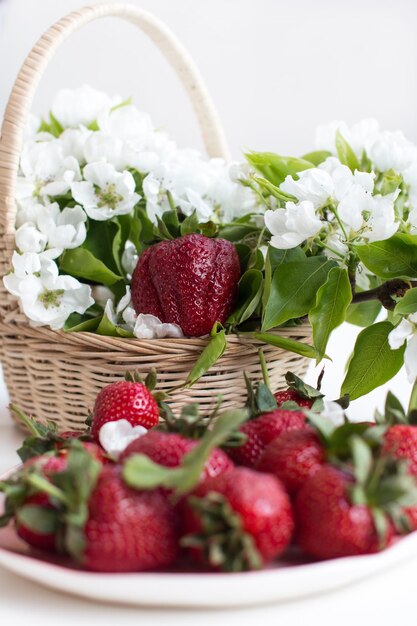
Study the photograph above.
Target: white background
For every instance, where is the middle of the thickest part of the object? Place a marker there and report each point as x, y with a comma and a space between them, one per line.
275, 68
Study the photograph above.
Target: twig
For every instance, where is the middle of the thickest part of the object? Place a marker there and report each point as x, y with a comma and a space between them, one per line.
385, 292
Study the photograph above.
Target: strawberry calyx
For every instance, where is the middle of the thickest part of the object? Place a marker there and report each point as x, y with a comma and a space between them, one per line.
150, 382
68, 494
336, 439
384, 485
190, 424
394, 412
222, 540
303, 390
44, 436
140, 472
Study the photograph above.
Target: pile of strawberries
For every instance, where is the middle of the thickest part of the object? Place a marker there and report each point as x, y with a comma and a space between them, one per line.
143, 489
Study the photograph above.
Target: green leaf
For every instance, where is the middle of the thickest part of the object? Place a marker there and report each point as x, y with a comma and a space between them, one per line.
373, 363
78, 323
272, 190
363, 313
53, 126
408, 303
104, 241
38, 519
345, 153
291, 345
394, 410
274, 167
275, 258
316, 157
332, 301
210, 355
390, 182
109, 329
141, 473
362, 459
392, 258
236, 232
293, 289
249, 296
82, 263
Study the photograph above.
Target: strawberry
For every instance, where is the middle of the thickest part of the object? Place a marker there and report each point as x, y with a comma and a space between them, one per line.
168, 449
296, 454
298, 392
353, 510
190, 281
261, 431
400, 441
44, 535
239, 520
328, 524
292, 457
126, 399
289, 395
128, 530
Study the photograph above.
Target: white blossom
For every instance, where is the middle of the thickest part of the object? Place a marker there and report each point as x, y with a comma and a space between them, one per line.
406, 331
391, 150
105, 192
292, 225
46, 171
313, 184
46, 297
81, 106
103, 147
129, 258
116, 435
29, 239
150, 327
49, 226
357, 136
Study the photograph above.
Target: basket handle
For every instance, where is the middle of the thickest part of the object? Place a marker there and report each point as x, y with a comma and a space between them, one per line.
27, 80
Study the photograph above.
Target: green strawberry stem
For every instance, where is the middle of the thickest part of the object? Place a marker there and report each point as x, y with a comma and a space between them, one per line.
264, 367
142, 473
43, 485
27, 421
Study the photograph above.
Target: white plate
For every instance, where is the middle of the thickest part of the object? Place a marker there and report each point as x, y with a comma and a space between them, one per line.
285, 581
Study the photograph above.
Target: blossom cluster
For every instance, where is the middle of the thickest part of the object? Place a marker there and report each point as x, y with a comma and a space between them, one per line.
94, 160
370, 203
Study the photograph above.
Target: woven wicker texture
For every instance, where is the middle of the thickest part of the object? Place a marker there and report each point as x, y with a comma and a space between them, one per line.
57, 375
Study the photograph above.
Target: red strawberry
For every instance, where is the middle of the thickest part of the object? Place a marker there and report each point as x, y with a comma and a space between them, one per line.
239, 520
329, 525
293, 457
400, 441
44, 536
168, 449
128, 530
261, 431
127, 400
290, 395
190, 281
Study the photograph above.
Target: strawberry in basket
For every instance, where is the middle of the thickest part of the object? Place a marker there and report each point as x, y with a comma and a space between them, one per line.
190, 281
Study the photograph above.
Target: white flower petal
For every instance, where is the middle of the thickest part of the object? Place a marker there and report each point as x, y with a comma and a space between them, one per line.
115, 436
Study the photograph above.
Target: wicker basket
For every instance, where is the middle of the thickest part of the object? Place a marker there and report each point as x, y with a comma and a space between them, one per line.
57, 375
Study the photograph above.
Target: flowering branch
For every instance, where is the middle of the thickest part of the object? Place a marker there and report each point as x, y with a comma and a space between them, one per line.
385, 292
